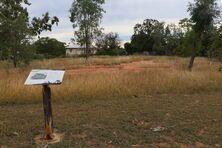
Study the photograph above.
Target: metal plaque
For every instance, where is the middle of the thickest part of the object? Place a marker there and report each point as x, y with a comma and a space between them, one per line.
45, 77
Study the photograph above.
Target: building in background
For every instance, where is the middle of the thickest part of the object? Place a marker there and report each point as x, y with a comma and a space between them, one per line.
75, 50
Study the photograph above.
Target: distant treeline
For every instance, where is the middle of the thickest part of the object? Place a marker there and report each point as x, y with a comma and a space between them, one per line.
199, 35
157, 38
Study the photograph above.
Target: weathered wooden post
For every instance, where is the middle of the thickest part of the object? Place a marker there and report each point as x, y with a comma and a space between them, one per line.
46, 93
46, 78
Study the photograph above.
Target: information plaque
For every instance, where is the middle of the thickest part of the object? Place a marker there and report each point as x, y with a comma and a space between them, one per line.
45, 77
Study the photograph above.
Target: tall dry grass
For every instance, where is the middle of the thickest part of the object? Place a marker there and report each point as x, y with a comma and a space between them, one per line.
70, 63
151, 80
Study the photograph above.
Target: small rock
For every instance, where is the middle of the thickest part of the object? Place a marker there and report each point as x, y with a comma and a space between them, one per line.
217, 145
110, 142
114, 133
15, 134
158, 129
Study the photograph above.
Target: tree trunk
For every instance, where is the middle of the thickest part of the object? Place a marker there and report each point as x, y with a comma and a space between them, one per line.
193, 56
87, 44
14, 58
47, 112
194, 51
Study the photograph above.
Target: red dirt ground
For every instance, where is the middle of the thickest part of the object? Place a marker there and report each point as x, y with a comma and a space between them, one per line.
132, 67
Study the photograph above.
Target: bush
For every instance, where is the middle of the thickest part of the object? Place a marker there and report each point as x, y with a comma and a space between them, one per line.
4, 54
50, 48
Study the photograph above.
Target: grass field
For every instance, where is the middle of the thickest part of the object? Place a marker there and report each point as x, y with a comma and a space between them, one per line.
117, 102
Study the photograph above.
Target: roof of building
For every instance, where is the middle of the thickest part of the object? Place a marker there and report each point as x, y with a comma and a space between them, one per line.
74, 46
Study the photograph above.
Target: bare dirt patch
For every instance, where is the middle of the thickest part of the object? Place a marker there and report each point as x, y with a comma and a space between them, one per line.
130, 67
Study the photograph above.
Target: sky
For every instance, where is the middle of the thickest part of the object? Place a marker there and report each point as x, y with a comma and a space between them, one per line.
121, 15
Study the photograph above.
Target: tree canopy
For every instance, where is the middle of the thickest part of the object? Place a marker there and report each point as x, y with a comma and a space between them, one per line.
49, 47
86, 16
194, 36
148, 36
108, 41
16, 31
203, 13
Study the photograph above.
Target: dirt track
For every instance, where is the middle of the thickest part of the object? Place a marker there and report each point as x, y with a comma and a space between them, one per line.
132, 67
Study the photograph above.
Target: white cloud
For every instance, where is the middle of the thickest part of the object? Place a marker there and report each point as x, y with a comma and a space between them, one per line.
120, 17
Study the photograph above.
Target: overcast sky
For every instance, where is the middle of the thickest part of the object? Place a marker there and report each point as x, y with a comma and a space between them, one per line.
120, 16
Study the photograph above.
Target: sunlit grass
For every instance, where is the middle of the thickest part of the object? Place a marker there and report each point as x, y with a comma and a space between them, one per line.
116, 102
166, 75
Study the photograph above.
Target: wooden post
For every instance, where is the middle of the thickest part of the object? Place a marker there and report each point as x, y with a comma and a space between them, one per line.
46, 92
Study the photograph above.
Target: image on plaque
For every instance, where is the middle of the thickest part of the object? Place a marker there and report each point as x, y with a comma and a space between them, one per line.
39, 76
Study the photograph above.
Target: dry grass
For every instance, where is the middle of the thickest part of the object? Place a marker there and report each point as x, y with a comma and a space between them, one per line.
117, 105
189, 121
71, 63
160, 75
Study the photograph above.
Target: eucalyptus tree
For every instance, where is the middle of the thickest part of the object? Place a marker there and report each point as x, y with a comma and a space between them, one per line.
108, 41
149, 37
86, 16
16, 30
203, 14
